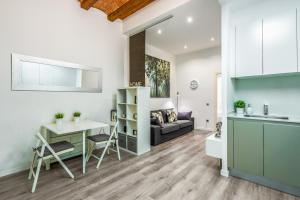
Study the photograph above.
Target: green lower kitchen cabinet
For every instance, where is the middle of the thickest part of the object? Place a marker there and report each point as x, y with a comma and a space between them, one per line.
230, 143
248, 146
282, 153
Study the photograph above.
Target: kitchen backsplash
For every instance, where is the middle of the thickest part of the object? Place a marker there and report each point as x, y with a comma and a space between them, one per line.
281, 93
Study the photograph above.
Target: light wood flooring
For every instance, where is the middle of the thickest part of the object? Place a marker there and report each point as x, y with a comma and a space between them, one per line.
178, 169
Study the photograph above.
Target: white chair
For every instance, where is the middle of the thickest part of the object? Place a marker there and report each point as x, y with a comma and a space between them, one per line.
44, 151
101, 139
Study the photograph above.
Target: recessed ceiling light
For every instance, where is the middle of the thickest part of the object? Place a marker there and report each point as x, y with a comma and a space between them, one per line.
190, 20
185, 46
212, 39
159, 31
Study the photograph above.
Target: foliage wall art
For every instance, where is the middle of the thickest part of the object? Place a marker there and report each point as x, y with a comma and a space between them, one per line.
157, 76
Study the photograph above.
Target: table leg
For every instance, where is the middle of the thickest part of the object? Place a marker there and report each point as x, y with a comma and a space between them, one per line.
83, 152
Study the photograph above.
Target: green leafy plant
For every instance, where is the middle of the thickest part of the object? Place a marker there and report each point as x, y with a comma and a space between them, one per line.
76, 114
240, 104
59, 115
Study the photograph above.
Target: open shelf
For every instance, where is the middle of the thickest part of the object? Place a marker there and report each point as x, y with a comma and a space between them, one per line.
134, 119
131, 96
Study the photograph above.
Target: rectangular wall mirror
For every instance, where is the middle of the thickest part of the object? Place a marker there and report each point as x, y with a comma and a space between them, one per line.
31, 73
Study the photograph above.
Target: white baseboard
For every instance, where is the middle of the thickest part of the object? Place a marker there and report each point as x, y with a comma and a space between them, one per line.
14, 170
225, 173
204, 128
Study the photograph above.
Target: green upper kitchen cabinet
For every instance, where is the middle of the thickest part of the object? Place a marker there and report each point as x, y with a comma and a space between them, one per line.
282, 153
298, 38
248, 146
267, 45
280, 42
248, 44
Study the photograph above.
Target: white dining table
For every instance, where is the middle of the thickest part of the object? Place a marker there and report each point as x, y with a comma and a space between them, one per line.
72, 127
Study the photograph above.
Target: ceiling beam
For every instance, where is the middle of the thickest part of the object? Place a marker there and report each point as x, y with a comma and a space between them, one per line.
87, 4
128, 9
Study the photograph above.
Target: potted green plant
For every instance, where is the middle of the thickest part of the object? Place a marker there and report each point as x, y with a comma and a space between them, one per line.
59, 118
76, 116
240, 107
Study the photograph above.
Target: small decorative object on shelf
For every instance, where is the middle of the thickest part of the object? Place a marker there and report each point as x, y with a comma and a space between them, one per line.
134, 132
76, 116
59, 118
123, 116
125, 129
135, 84
135, 100
113, 115
134, 116
240, 107
219, 128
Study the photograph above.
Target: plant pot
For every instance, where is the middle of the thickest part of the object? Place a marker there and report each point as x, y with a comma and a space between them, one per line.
240, 111
76, 120
59, 122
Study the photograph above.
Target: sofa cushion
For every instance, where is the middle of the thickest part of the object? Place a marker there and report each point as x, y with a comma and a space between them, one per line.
159, 117
172, 116
184, 115
184, 123
168, 128
164, 115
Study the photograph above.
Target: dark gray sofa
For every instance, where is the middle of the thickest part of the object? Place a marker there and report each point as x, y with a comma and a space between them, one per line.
170, 131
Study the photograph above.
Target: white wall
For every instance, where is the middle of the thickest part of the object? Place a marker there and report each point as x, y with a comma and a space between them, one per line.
60, 30
202, 66
161, 103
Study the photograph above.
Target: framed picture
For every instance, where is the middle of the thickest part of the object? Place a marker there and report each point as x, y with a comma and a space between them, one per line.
113, 115
157, 76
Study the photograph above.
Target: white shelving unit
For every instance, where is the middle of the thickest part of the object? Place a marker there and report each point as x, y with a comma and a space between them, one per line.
134, 133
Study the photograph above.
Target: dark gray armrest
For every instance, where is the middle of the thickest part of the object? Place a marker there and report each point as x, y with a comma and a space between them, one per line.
155, 134
193, 120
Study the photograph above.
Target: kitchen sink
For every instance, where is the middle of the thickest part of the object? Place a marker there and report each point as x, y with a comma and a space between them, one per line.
268, 116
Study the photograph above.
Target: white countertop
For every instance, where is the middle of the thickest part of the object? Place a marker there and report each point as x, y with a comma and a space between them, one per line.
292, 119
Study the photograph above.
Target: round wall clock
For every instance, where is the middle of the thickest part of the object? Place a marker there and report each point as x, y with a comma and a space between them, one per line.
194, 84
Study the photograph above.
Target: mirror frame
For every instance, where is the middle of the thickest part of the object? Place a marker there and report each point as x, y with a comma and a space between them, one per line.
17, 59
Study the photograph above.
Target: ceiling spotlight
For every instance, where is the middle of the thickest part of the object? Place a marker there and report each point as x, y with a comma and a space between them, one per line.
212, 39
185, 46
189, 20
159, 31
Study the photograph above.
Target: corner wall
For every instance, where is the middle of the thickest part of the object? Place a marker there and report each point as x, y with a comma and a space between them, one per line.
60, 30
202, 66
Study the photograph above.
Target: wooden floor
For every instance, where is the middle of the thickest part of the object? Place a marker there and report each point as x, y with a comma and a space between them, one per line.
178, 169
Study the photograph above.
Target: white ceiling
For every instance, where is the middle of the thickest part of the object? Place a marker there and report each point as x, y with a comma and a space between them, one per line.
176, 32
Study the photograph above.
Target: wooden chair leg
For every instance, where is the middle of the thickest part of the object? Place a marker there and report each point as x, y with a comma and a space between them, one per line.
91, 146
32, 165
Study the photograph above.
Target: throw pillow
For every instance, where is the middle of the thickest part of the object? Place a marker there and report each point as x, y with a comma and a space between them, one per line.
164, 115
158, 116
184, 115
172, 117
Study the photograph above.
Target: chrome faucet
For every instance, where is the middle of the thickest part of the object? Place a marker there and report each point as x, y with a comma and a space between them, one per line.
266, 109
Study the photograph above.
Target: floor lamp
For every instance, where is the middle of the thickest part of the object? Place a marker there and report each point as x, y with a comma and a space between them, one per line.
177, 101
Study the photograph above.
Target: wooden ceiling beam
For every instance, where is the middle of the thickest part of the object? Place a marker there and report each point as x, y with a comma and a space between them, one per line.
128, 9
87, 4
